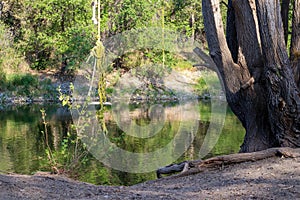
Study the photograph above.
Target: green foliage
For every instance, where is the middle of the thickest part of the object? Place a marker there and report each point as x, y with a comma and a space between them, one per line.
141, 57
22, 84
51, 158
74, 46
22, 79
2, 80
25, 84
65, 99
231, 137
208, 83
201, 87
24, 148
182, 64
46, 88
186, 17
134, 14
72, 153
52, 33
10, 58
162, 57
59, 33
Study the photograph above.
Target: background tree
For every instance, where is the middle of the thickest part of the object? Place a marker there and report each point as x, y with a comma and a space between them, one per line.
59, 34
254, 65
50, 33
186, 17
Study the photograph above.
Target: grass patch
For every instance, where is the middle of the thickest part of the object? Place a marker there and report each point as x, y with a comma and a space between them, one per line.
182, 65
208, 83
22, 84
25, 85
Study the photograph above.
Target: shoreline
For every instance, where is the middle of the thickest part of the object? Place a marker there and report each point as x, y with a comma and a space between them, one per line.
62, 83
5, 100
271, 178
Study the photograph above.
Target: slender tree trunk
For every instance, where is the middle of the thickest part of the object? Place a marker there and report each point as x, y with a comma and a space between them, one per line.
64, 63
1, 8
192, 22
254, 67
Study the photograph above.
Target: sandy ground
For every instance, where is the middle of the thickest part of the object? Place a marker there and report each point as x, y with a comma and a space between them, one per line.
273, 178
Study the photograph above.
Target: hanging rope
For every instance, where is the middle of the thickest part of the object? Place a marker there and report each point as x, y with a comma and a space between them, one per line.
163, 33
98, 54
99, 20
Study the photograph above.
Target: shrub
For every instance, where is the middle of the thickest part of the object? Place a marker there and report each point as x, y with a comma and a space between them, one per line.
10, 59
22, 84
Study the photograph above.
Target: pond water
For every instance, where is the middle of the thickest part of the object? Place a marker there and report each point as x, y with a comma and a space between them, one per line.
26, 146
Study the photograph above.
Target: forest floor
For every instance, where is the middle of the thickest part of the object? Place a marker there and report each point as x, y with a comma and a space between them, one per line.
272, 178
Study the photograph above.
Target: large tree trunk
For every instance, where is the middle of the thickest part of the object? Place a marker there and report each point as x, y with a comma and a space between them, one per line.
254, 67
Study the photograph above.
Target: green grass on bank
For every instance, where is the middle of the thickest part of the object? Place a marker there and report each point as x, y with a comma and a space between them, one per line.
208, 83
25, 84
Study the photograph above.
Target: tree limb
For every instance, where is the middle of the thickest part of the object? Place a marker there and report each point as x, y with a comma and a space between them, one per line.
198, 166
207, 60
224, 3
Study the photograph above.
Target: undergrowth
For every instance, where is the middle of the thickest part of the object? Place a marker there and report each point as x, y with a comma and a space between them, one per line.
25, 85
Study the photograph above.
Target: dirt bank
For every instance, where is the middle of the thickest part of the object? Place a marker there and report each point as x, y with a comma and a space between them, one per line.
273, 178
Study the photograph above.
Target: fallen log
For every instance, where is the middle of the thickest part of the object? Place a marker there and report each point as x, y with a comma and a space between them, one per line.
180, 167
192, 167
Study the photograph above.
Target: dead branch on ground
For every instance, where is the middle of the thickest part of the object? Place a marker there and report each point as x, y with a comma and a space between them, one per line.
192, 167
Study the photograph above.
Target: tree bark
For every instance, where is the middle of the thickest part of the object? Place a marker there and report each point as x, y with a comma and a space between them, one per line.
295, 42
254, 66
285, 5
231, 35
282, 94
243, 96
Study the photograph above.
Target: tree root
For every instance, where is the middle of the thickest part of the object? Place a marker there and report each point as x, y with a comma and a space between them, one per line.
193, 167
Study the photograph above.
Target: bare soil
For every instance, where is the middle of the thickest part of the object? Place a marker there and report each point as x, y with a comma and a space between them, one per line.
273, 178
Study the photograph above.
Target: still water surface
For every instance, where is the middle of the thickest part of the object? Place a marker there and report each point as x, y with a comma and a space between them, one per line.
23, 149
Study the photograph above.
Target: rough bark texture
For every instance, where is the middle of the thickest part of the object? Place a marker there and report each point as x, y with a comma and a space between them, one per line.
254, 67
283, 95
231, 35
285, 5
295, 42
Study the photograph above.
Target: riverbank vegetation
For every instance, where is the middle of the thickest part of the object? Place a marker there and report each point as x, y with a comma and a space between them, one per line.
60, 34
257, 69
42, 36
